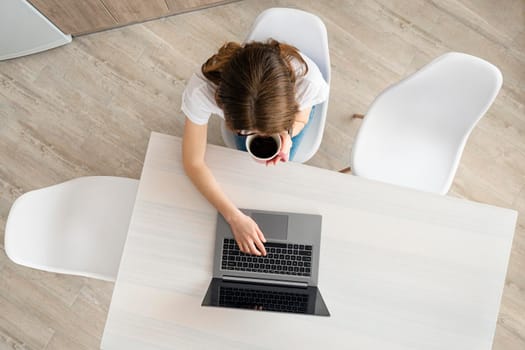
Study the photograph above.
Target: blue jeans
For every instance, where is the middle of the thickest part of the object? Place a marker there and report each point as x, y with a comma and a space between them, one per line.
240, 141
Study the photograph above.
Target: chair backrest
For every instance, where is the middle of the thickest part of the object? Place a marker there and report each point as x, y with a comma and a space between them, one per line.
77, 227
306, 32
415, 131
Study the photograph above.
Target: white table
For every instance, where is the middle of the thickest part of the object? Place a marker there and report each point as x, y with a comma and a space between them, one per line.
399, 269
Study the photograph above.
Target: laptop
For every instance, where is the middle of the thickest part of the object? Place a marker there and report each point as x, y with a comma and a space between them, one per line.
285, 280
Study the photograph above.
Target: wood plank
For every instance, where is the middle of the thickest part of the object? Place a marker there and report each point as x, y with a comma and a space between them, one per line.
128, 11
76, 17
177, 6
81, 17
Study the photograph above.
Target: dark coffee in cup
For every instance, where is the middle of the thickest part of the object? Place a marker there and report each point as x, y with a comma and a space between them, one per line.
263, 147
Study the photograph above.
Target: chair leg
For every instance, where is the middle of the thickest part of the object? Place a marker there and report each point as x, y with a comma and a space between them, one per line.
348, 169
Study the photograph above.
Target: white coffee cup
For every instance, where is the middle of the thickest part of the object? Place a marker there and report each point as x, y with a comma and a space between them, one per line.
263, 148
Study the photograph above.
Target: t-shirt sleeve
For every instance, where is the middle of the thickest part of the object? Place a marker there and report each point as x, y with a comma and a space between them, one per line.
196, 100
311, 89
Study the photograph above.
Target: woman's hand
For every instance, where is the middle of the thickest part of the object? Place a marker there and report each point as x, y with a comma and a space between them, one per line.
284, 154
248, 235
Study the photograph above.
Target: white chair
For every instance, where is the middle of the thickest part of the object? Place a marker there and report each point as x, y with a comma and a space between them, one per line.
306, 32
415, 131
77, 227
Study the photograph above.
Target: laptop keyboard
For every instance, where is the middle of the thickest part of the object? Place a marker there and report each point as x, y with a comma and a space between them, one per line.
281, 258
246, 298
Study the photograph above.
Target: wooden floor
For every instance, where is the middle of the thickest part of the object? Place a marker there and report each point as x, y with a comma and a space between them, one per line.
88, 108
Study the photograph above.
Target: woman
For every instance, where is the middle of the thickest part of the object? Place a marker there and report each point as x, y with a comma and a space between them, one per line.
263, 88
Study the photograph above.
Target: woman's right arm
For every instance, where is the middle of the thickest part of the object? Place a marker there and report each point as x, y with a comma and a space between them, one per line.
246, 232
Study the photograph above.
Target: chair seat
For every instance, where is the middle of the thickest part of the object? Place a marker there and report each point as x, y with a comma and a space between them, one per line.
415, 131
310, 37
77, 227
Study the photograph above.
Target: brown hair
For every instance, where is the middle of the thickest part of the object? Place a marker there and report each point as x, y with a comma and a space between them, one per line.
255, 85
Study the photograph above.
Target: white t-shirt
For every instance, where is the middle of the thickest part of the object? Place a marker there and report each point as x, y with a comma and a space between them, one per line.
198, 98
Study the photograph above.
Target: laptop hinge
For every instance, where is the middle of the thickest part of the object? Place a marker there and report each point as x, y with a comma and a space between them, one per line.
265, 281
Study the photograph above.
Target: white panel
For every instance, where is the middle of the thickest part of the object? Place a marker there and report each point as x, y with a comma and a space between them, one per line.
24, 30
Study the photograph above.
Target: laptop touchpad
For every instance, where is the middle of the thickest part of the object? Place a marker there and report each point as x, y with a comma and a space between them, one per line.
272, 225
